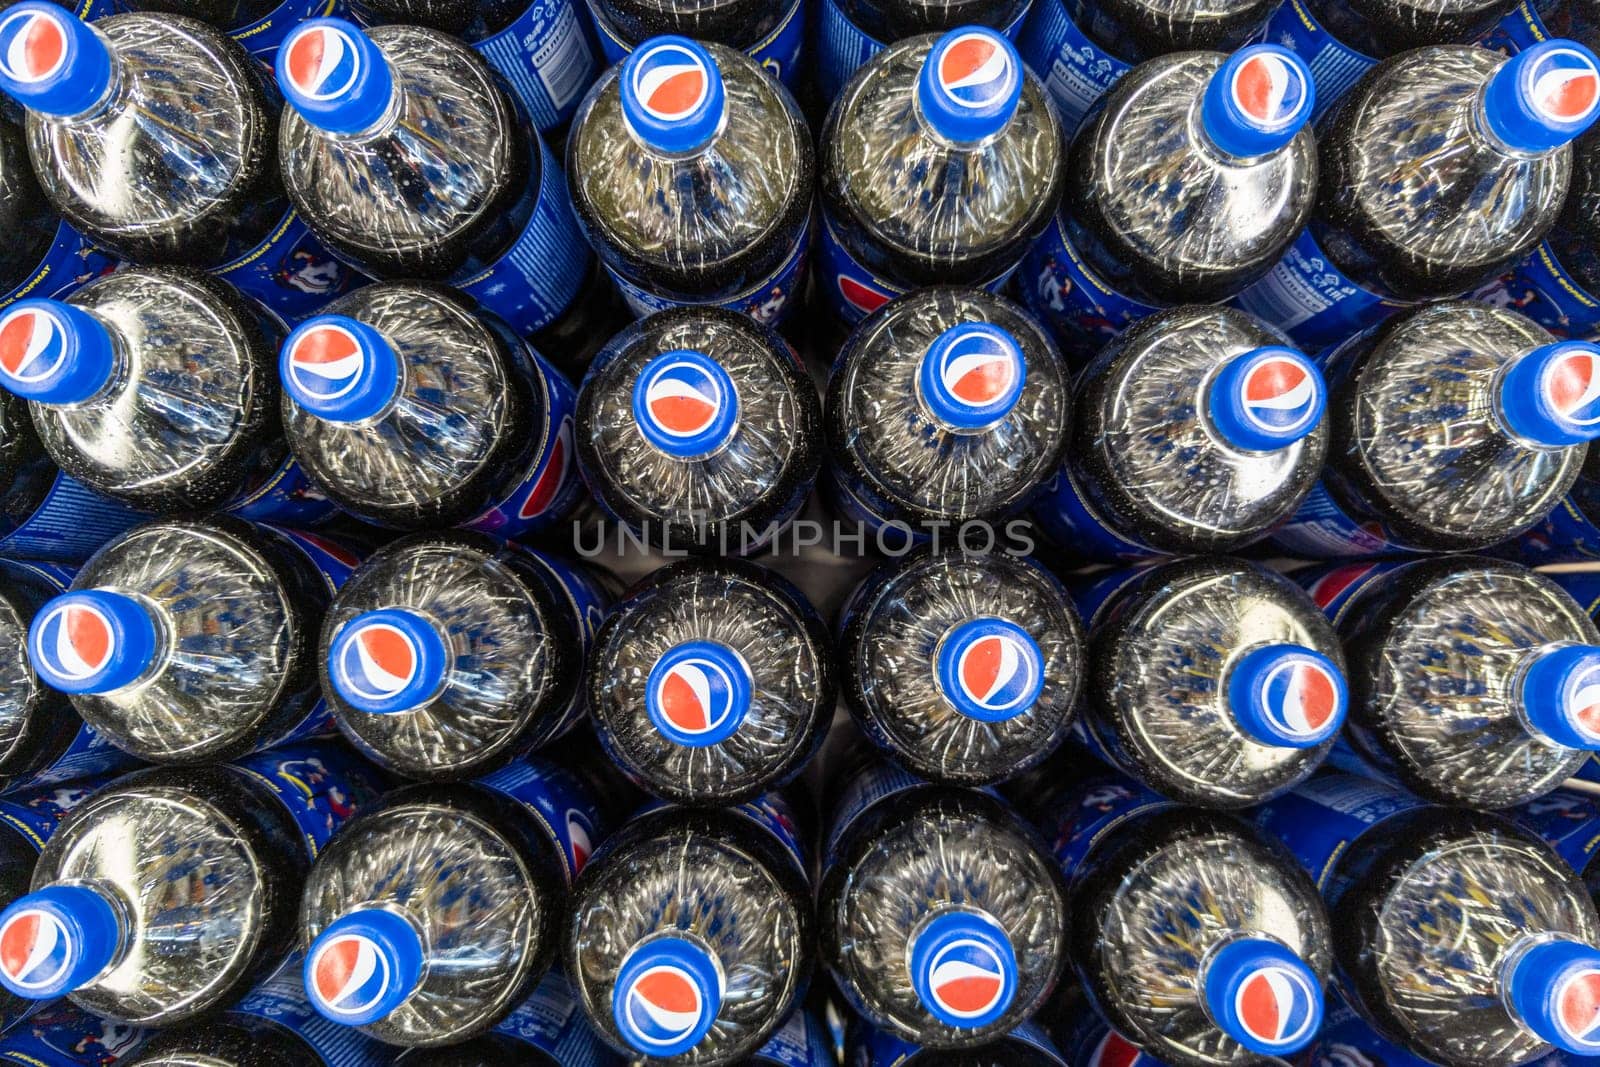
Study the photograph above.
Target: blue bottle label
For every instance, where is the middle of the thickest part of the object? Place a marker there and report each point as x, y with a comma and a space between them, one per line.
801, 1041
1322, 529
68, 263
1568, 821
583, 596
1540, 288
89, 753
283, 494
547, 57
1093, 812
1322, 818
1566, 535
1333, 588
852, 291
1064, 512
551, 1021
263, 37
883, 1049
1092, 595
55, 576
778, 52
769, 301
67, 526
60, 1034
1075, 69
320, 785
560, 804
1091, 1042
843, 47
1583, 586
1081, 310
855, 501
1308, 297
772, 813
863, 791
550, 486
35, 812
290, 272
281, 1000
1520, 28
540, 275
1335, 66
334, 561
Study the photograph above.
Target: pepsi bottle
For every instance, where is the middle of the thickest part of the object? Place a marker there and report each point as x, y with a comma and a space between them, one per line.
1194, 935
1026, 1046
691, 932
1472, 680
691, 175
770, 32
850, 32
941, 162
1533, 21
1196, 431
711, 681
187, 641
947, 405
62, 1035
698, 428
448, 655
153, 136
44, 256
477, 203
1215, 682
171, 891
431, 917
546, 1030
939, 912
155, 386
259, 25
409, 411
1188, 185
1443, 167
964, 669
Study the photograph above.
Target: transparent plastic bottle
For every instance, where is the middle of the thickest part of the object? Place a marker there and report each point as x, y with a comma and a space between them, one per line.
711, 681
950, 404
1452, 427
691, 174
410, 411
1193, 934
1215, 682
771, 32
965, 669
434, 915
155, 386
448, 655
170, 892
699, 430
1446, 165
939, 911
1187, 186
548, 1029
1197, 431
63, 1035
192, 640
941, 162
691, 933
850, 32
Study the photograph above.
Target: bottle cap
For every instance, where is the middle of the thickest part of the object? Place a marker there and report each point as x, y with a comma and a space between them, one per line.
56, 940
970, 84
386, 661
988, 669
1263, 996
363, 966
1551, 395
54, 353
339, 369
1287, 696
1554, 989
1267, 399
698, 693
685, 404
92, 641
666, 996
1560, 693
1257, 100
672, 95
1543, 97
964, 969
971, 376
335, 76
51, 62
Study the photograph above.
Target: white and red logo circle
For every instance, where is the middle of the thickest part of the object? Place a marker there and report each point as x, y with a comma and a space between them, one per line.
33, 45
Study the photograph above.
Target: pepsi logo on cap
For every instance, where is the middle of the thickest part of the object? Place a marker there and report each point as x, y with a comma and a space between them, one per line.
1578, 1006
326, 361
1583, 703
695, 697
580, 838
663, 1006
978, 369
859, 295
967, 979
976, 70
670, 81
1269, 91
377, 661
35, 949
1276, 1006
997, 673
349, 975
74, 641
33, 344
1301, 698
1564, 85
33, 45
1571, 385
682, 400
1280, 394
322, 62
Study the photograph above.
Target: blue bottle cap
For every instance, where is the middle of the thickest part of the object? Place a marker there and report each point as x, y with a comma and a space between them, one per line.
988, 669
363, 966
56, 940
698, 693
51, 62
666, 996
1263, 996
1543, 97
335, 76
685, 404
54, 353
1267, 398
92, 641
672, 95
971, 376
339, 369
970, 84
1554, 989
387, 661
1551, 395
1287, 696
1258, 100
1560, 694
964, 969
